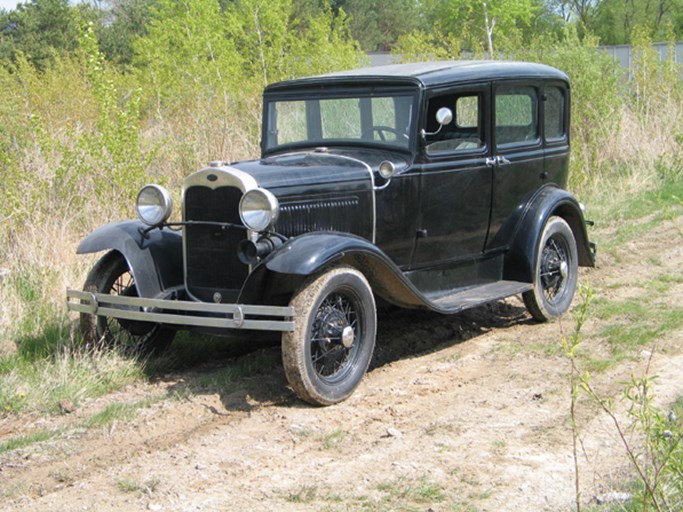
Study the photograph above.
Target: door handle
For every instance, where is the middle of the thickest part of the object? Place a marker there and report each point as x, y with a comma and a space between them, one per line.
497, 160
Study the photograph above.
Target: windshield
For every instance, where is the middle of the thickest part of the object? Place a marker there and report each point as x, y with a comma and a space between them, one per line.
372, 119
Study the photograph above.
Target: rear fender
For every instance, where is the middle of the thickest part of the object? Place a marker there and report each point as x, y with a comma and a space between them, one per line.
550, 201
155, 258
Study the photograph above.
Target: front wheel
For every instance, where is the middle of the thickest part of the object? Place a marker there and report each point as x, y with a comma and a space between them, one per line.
555, 273
329, 351
111, 275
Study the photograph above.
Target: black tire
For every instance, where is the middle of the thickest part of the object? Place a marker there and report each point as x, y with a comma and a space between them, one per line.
133, 338
555, 273
329, 351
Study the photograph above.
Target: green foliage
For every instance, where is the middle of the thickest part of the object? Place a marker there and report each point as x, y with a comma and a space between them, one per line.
657, 83
120, 26
37, 384
377, 25
596, 99
185, 52
426, 45
39, 29
614, 21
657, 454
279, 46
493, 26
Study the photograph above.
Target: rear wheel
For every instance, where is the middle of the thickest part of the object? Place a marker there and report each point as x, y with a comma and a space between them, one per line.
329, 351
111, 275
556, 272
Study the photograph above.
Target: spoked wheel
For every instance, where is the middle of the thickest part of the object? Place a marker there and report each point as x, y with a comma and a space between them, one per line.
556, 272
111, 275
329, 351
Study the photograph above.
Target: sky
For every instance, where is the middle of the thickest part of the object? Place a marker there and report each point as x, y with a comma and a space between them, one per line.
8, 4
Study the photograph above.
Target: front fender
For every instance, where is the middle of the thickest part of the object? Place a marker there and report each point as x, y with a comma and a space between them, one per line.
520, 260
154, 259
283, 271
308, 253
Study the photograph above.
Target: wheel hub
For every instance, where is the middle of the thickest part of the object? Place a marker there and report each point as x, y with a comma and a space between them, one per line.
347, 336
564, 269
336, 329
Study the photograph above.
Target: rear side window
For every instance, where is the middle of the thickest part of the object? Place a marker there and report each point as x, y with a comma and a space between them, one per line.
516, 115
553, 114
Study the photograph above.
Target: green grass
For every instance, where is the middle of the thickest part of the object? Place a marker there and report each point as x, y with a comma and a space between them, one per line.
38, 385
19, 442
141, 487
304, 494
404, 492
333, 439
236, 370
633, 323
114, 412
635, 213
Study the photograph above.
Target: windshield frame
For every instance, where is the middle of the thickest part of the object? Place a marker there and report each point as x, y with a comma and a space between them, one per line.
337, 92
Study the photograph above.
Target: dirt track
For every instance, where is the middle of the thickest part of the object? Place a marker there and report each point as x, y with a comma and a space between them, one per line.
469, 412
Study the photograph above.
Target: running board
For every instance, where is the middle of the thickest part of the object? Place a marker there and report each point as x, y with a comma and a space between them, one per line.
478, 295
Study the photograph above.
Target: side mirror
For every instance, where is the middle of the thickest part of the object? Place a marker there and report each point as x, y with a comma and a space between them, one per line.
443, 116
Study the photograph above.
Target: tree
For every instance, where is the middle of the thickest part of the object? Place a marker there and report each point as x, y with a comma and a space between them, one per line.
123, 22
277, 45
185, 51
377, 24
615, 20
486, 25
39, 30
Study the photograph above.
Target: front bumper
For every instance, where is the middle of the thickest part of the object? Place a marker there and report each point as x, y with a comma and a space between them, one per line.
182, 313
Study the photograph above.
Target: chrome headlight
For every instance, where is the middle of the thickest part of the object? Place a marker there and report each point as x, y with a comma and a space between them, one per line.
153, 205
259, 209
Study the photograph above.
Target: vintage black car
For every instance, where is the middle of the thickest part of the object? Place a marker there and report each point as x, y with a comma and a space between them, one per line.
436, 185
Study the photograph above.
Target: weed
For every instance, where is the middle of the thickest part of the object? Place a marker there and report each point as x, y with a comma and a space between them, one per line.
110, 414
333, 439
305, 494
141, 487
659, 464
23, 441
423, 490
39, 385
236, 370
499, 446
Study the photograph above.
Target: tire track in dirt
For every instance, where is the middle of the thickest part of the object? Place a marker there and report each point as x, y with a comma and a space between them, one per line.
471, 405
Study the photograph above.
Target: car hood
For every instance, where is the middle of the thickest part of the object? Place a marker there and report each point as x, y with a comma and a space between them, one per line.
295, 169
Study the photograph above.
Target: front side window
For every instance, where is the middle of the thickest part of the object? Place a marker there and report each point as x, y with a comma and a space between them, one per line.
465, 132
376, 119
516, 115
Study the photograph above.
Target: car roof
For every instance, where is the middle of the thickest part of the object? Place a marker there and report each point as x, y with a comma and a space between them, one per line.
430, 74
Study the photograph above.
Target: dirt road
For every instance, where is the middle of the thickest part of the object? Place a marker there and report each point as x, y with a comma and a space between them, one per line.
469, 412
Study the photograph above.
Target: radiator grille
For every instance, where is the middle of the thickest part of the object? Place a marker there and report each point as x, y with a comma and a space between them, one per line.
211, 262
329, 215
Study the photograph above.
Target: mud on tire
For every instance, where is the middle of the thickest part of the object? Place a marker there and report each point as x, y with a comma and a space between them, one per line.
555, 272
329, 351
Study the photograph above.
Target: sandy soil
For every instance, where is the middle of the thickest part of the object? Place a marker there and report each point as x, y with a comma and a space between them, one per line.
469, 412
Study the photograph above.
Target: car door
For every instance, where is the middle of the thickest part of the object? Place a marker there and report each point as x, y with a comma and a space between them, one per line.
518, 156
455, 187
